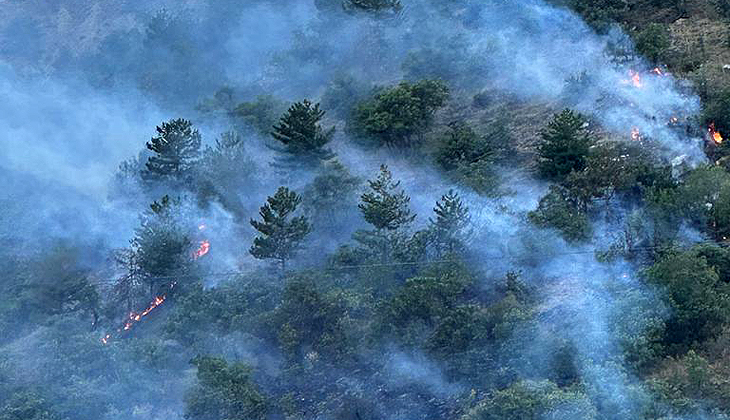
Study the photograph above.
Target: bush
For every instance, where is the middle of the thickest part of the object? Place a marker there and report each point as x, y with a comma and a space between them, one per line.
400, 115
261, 114
700, 301
224, 392
531, 400
558, 210
652, 42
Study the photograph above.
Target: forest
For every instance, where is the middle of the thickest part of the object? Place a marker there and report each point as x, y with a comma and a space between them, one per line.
365, 209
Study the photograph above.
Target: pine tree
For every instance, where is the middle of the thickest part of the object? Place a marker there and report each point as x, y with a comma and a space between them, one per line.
176, 147
387, 210
161, 245
448, 228
565, 145
280, 237
383, 206
302, 135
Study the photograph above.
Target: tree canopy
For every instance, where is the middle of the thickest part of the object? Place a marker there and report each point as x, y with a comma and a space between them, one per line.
281, 235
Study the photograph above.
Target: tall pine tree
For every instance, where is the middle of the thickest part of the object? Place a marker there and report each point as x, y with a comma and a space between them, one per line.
161, 246
387, 209
280, 236
303, 137
565, 145
449, 226
176, 147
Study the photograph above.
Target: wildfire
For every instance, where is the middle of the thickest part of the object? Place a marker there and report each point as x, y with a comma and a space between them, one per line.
657, 71
714, 134
135, 317
202, 249
636, 79
635, 134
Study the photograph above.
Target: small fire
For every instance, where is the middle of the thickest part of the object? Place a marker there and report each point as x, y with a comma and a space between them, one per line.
674, 121
135, 317
636, 79
203, 249
714, 134
657, 71
635, 134
201, 226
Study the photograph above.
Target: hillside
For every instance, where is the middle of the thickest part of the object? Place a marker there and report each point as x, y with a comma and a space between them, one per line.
365, 209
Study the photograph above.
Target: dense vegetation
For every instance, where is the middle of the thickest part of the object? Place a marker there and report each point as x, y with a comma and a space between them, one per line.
289, 268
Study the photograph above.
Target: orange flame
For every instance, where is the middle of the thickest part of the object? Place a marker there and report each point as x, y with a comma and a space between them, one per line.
635, 134
657, 71
636, 79
135, 317
714, 134
203, 249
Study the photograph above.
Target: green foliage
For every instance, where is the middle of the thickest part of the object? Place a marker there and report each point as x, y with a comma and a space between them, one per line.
700, 301
400, 115
565, 145
24, 405
461, 146
616, 167
330, 196
261, 114
703, 199
469, 157
56, 284
718, 257
689, 382
176, 148
161, 245
559, 210
310, 321
226, 167
384, 206
531, 400
421, 304
222, 100
652, 42
302, 135
716, 109
449, 226
224, 391
281, 237
723, 7
373, 6
599, 14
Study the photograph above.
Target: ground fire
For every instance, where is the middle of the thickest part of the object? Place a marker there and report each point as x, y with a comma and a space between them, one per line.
135, 317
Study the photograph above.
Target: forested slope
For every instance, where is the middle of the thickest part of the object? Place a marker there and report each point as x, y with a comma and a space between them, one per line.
365, 209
